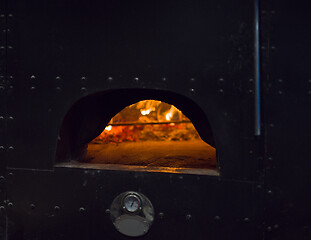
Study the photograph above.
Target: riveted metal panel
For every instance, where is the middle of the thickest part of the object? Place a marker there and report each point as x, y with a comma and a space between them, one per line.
79, 206
62, 51
65, 50
287, 101
3, 117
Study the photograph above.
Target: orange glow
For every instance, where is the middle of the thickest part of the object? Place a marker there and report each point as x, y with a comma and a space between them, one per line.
108, 128
144, 112
148, 120
168, 116
152, 136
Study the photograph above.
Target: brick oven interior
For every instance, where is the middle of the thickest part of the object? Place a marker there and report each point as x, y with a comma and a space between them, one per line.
145, 130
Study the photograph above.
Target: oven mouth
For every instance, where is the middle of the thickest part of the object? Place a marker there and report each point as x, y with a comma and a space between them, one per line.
147, 135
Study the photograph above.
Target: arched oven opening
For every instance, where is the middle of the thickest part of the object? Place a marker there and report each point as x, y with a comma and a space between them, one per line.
139, 130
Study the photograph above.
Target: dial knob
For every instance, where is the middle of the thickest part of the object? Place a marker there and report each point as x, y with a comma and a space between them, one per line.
132, 203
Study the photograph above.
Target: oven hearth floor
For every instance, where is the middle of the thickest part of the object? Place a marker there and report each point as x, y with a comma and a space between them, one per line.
184, 154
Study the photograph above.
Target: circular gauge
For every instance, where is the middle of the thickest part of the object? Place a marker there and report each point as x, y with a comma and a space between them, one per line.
131, 203
132, 213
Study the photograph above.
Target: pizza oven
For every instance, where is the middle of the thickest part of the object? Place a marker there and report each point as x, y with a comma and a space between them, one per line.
137, 130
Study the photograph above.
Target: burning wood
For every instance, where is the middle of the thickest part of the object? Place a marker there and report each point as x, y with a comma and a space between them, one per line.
148, 120
151, 133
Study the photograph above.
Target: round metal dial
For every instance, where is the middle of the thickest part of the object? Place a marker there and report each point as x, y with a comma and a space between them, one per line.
132, 203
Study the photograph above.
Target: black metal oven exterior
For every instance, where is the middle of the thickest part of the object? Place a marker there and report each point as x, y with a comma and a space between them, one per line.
54, 53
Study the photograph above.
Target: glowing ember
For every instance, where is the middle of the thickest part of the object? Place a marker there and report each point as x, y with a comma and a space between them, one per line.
148, 120
144, 112
168, 116
108, 128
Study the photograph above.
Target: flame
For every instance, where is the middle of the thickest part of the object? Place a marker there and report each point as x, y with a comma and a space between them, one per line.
168, 116
108, 128
171, 112
147, 106
145, 112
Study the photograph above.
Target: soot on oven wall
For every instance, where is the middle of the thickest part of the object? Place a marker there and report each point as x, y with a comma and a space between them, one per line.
143, 130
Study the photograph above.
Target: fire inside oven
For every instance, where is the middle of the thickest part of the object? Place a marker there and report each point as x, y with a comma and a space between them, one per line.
149, 135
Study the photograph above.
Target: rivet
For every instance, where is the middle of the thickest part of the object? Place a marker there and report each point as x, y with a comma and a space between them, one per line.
2, 208
32, 88
270, 158
161, 215
217, 218
246, 219
221, 90
58, 79
1, 88
136, 79
164, 79
269, 192
107, 211
81, 210
269, 228
11, 148
188, 216
10, 204
2, 178
58, 89
32, 206
109, 79
10, 47
192, 90
250, 91
220, 79
273, 47
11, 118
56, 208
10, 174
1, 148
83, 79
1, 117
33, 77
2, 15
11, 77
251, 80
192, 79
83, 89
10, 15
2, 47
